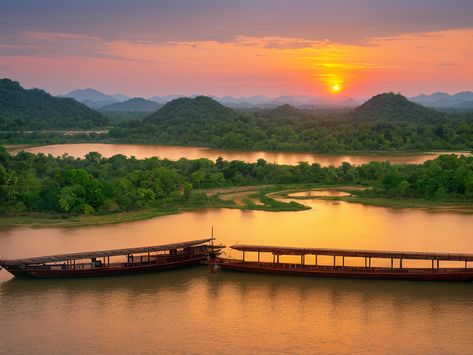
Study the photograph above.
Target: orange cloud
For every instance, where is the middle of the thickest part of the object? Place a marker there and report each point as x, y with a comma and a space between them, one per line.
250, 65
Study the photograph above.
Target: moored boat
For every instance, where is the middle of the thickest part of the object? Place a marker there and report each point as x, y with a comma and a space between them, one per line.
112, 262
340, 268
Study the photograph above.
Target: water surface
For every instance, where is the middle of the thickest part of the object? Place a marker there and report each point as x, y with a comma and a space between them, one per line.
141, 151
194, 311
320, 193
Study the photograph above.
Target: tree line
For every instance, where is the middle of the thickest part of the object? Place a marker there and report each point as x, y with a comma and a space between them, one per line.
97, 185
387, 122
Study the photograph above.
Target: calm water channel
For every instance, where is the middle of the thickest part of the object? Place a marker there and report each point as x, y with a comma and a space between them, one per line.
176, 152
194, 311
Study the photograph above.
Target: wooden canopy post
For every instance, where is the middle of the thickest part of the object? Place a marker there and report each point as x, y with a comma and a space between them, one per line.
400, 263
343, 261
243, 256
302, 260
392, 263
334, 260
315, 259
258, 256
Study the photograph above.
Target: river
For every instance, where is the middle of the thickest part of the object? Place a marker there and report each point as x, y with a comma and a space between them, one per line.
141, 151
194, 311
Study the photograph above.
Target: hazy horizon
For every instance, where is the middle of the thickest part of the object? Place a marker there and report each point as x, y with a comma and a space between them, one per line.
223, 95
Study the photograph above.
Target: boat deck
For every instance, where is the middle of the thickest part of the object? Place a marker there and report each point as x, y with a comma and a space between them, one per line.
340, 268
99, 263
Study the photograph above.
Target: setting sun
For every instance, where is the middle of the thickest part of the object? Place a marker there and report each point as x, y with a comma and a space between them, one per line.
335, 88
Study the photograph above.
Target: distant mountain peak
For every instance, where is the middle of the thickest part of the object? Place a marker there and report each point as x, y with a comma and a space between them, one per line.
87, 94
94, 98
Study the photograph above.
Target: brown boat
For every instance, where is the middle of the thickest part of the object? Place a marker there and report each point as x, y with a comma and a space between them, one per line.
342, 269
98, 263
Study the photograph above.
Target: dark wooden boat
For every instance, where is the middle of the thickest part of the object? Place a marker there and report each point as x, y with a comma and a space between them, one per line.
98, 263
342, 269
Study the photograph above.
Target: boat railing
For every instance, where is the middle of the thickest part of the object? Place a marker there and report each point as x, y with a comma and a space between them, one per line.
137, 260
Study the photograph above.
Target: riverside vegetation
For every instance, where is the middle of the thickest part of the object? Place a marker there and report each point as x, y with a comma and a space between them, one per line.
97, 186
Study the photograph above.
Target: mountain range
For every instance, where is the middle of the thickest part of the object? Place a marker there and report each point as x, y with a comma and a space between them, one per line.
98, 100
461, 100
259, 101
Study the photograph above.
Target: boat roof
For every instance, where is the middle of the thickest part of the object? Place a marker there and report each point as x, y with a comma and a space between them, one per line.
101, 253
278, 250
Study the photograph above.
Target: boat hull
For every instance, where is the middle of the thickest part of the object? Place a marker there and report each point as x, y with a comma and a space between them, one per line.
452, 275
102, 271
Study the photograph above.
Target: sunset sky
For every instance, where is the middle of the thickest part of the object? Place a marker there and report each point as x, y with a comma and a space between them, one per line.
239, 48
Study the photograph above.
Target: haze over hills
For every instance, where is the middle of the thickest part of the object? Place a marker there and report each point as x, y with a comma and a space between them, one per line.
94, 98
36, 109
443, 100
165, 99
260, 101
136, 104
97, 100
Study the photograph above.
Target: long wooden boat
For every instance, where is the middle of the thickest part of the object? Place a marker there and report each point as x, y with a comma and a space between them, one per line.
97, 263
339, 268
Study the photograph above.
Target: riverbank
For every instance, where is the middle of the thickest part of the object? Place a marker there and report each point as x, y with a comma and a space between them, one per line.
270, 198
244, 198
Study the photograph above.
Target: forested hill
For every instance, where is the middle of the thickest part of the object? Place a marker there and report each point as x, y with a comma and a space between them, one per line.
22, 109
191, 110
189, 121
391, 107
387, 122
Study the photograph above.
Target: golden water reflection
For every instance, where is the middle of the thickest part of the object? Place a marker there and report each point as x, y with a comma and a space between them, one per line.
194, 311
188, 310
319, 193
